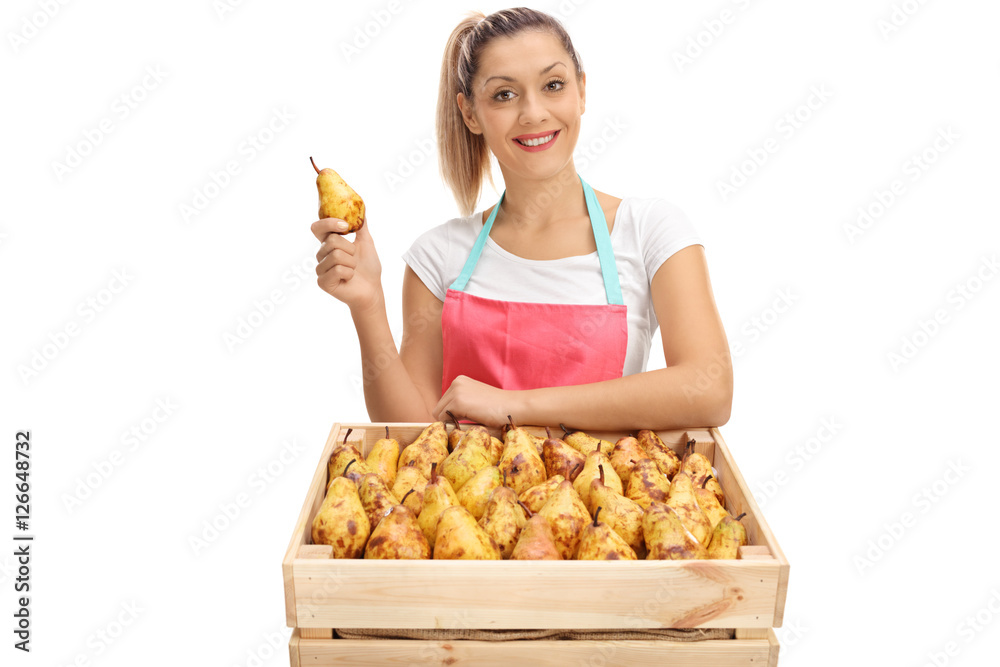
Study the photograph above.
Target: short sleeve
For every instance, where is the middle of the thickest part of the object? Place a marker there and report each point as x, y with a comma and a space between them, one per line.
428, 257
664, 229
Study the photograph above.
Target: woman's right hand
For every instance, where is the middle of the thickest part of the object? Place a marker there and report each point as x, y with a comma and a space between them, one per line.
350, 271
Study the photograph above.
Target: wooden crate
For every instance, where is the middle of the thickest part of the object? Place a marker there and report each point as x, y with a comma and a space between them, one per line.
747, 595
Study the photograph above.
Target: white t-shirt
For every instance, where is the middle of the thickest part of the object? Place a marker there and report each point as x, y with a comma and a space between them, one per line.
645, 233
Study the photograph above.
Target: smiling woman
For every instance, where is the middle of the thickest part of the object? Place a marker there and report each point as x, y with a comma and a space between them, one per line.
544, 305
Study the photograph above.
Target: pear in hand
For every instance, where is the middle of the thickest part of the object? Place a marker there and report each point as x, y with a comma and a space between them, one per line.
383, 457
438, 496
647, 484
709, 504
407, 479
666, 459
621, 514
341, 521
535, 541
567, 516
397, 536
536, 497
338, 200
520, 464
624, 456
681, 499
699, 469
599, 542
727, 538
503, 519
667, 538
560, 458
459, 537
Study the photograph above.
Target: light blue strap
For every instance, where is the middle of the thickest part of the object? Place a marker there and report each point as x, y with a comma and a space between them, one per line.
605, 253
477, 250
609, 268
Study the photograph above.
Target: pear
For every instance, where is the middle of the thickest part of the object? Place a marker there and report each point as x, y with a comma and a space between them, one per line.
681, 499
407, 479
647, 484
584, 443
536, 497
591, 471
567, 516
356, 469
535, 541
520, 464
398, 536
727, 538
666, 459
430, 447
503, 519
709, 504
600, 542
341, 457
469, 457
621, 514
438, 496
376, 498
383, 457
459, 537
539, 443
667, 538
475, 494
341, 521
560, 458
338, 200
625, 454
699, 468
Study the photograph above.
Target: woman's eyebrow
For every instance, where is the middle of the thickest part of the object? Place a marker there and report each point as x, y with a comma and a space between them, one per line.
512, 79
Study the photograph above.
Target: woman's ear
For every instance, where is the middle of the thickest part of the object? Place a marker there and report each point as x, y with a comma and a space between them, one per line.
470, 118
583, 92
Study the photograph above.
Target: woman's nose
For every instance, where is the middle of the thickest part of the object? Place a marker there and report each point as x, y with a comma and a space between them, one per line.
533, 109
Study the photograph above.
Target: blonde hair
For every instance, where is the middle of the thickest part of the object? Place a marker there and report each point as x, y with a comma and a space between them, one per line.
463, 156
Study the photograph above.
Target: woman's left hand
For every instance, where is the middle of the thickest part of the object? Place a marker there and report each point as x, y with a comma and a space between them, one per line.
482, 403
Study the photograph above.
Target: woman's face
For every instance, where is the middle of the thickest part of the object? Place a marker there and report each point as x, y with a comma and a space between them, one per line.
526, 92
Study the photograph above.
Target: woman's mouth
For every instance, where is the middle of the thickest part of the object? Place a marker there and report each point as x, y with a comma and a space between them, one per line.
537, 143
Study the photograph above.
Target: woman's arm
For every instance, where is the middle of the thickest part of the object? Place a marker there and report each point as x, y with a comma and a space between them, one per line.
695, 389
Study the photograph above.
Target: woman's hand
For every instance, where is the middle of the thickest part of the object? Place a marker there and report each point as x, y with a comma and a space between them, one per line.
484, 404
351, 272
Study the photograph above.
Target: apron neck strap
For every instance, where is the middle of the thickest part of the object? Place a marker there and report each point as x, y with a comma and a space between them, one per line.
599, 224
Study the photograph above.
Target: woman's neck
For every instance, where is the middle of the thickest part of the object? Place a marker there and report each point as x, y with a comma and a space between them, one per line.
535, 204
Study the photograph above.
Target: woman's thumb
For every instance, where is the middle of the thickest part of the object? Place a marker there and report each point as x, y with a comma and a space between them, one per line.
363, 235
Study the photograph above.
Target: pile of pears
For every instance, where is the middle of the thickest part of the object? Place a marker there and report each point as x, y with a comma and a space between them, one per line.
469, 495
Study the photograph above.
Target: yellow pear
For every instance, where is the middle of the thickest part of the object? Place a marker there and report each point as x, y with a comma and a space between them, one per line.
600, 542
621, 514
475, 494
341, 521
398, 536
666, 458
430, 447
520, 463
536, 497
459, 537
709, 504
667, 538
407, 479
647, 484
561, 459
585, 443
438, 496
469, 457
503, 519
625, 454
376, 498
536, 541
682, 500
383, 457
591, 471
567, 516
699, 469
727, 538
338, 200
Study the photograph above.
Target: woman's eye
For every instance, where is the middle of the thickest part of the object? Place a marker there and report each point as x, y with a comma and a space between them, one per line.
504, 95
555, 85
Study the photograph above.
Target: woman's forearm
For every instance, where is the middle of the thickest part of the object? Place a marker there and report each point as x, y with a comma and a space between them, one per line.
668, 398
390, 393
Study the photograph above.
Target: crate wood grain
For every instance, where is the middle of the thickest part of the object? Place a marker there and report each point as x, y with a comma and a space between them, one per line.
331, 593
757, 652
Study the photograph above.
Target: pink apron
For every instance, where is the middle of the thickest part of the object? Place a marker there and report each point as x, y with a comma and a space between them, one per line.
522, 345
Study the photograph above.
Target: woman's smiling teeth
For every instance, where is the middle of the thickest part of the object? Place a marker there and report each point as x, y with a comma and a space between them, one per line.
536, 142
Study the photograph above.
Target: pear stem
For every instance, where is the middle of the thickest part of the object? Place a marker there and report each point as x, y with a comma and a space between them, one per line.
454, 420
563, 427
690, 443
387, 432
526, 509
706, 481
406, 496
434, 473
347, 435
595, 515
511, 420
344, 474
548, 433
741, 516
314, 165
600, 471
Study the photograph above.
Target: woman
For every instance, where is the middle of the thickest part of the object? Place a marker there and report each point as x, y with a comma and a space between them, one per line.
542, 306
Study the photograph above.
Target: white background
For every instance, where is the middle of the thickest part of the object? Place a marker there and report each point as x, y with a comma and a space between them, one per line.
898, 428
